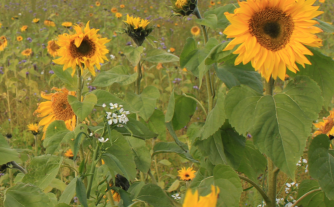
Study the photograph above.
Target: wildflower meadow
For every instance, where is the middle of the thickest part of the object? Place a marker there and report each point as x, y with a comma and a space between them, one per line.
184, 103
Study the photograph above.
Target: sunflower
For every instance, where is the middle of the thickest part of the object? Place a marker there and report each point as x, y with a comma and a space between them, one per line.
195, 30
187, 174
19, 38
34, 128
97, 3
15, 17
27, 52
114, 10
0, 24
276, 31
53, 48
69, 153
212, 3
118, 15
24, 28
56, 108
82, 48
49, 23
325, 127
90, 14
137, 28
172, 49
180, 3
191, 200
122, 6
36, 20
3, 43
67, 24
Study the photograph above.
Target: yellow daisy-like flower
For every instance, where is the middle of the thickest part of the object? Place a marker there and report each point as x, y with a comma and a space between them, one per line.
195, 30
180, 3
84, 48
36, 20
49, 23
67, 24
114, 10
272, 34
53, 48
97, 3
19, 38
118, 15
212, 3
69, 153
136, 22
27, 52
24, 28
122, 6
56, 108
172, 49
191, 200
34, 128
187, 174
3, 43
325, 127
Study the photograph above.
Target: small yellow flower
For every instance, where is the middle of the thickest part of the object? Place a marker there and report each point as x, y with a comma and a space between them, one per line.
212, 3
90, 14
184, 70
195, 30
19, 38
24, 28
180, 3
67, 24
34, 128
114, 10
122, 6
159, 66
172, 49
118, 15
3, 43
27, 52
97, 3
49, 23
187, 174
69, 153
36, 20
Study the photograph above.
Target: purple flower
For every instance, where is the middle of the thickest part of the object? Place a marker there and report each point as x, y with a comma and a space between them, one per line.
44, 9
27, 73
129, 43
29, 39
24, 61
51, 72
1, 72
195, 87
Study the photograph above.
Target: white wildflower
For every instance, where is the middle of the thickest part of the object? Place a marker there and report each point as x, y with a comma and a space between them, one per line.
102, 140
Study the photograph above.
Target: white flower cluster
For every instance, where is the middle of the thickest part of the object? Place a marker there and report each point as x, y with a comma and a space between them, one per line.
290, 185
303, 161
176, 196
117, 116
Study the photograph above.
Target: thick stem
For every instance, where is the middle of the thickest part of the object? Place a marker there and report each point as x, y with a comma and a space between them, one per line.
138, 83
92, 170
305, 195
258, 188
154, 181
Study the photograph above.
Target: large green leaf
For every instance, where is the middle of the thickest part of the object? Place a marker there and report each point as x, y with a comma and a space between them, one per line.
55, 134
252, 163
80, 190
229, 184
42, 170
65, 76
160, 56
133, 54
321, 164
314, 199
153, 195
119, 74
145, 103
84, 108
6, 153
141, 153
25, 195
172, 147
170, 108
321, 71
279, 124
157, 124
136, 129
104, 97
69, 192
216, 118
216, 18
184, 109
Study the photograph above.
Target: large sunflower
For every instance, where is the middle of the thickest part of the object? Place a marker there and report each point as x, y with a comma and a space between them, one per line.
273, 33
210, 200
82, 48
57, 108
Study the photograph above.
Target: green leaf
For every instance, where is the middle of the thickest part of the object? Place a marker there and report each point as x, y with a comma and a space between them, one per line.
69, 192
135, 188
6, 153
170, 108
279, 124
321, 71
77, 142
317, 198
65, 76
145, 103
62, 205
153, 195
252, 162
184, 109
160, 56
321, 164
216, 18
136, 129
114, 164
157, 124
82, 109
133, 54
324, 26
55, 134
216, 118
119, 74
172, 147
141, 153
229, 184
81, 192
25, 195
42, 170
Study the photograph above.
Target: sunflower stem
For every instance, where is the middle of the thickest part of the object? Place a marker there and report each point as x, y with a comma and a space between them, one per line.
138, 83
36, 145
258, 188
92, 169
208, 82
272, 172
305, 195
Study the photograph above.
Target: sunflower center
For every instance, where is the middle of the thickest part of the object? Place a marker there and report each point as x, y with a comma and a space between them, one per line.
86, 49
60, 106
186, 175
272, 28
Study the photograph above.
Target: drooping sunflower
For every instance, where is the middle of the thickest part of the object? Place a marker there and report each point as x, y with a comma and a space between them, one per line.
67, 24
56, 108
195, 30
186, 174
34, 128
49, 23
83, 48
27, 52
325, 127
3, 43
137, 28
272, 34
19, 38
35, 20
24, 28
210, 200
183, 7
53, 48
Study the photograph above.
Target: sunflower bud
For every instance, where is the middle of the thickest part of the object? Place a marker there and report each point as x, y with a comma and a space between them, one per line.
137, 29
183, 7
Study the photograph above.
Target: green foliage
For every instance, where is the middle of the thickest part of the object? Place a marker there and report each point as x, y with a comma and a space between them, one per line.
65, 76
55, 134
6, 153
104, 97
157, 124
160, 56
183, 110
321, 164
81, 192
153, 195
279, 124
326, 27
84, 108
317, 198
119, 74
172, 147
69, 192
215, 18
133, 54
142, 156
